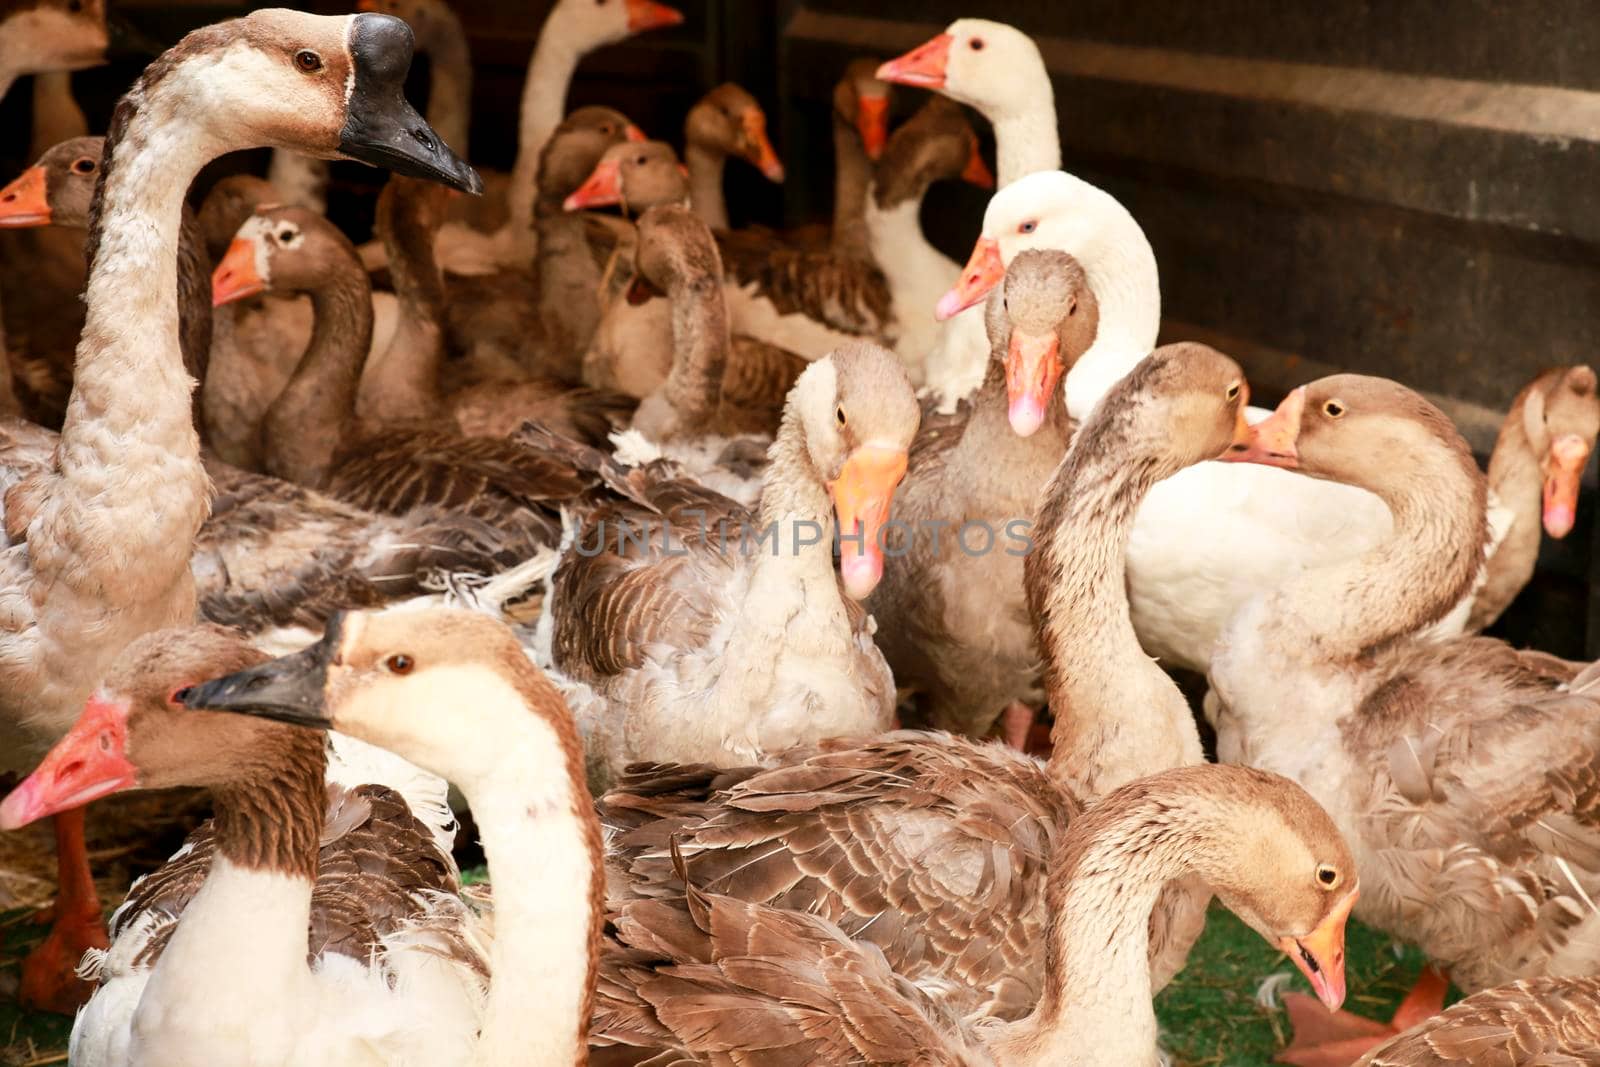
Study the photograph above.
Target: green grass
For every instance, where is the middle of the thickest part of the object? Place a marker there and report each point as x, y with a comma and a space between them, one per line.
1209, 1017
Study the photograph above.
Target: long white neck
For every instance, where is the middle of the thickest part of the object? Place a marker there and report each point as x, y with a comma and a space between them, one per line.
544, 101
1122, 272
706, 169
917, 273
1026, 139
540, 838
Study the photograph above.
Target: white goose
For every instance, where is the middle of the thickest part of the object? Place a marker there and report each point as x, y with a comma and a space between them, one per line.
100, 565
1214, 535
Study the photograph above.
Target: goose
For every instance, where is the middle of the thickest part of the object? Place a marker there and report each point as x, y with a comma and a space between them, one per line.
953, 624
936, 143
1541, 1020
98, 560
726, 121
764, 645
996, 69
1213, 536
56, 114
932, 847
1535, 468
860, 121
209, 960
1459, 768
573, 29
37, 38
520, 767
57, 191
669, 973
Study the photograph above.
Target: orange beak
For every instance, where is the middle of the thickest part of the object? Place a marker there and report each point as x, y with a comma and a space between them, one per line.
1320, 954
1563, 469
758, 149
977, 171
872, 123
600, 189
1033, 371
87, 764
236, 276
648, 15
634, 133
1271, 442
981, 274
861, 499
923, 66
23, 202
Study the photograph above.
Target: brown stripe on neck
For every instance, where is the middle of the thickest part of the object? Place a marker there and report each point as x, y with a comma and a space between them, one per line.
409, 214
271, 819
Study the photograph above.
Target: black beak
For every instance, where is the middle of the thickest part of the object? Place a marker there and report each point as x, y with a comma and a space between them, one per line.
380, 128
288, 689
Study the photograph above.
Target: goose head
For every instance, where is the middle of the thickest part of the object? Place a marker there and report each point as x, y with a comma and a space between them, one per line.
857, 414
232, 200
861, 103
327, 86
589, 24
57, 190
727, 121
136, 732
420, 683
676, 250
1040, 319
1183, 403
935, 144
637, 175
1561, 417
1050, 209
577, 146
52, 35
975, 61
281, 247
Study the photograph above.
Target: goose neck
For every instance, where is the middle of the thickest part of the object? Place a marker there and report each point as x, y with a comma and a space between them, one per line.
1026, 137
852, 175
544, 101
706, 169
1127, 286
796, 514
692, 392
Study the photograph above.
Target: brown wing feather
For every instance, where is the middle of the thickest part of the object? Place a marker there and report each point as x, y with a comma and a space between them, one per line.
933, 848
846, 294
1548, 1022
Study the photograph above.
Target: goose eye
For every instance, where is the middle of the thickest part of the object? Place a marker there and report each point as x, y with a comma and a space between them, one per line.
400, 663
83, 165
838, 415
1333, 409
175, 697
976, 44
1233, 391
1327, 877
307, 61
285, 236
1029, 226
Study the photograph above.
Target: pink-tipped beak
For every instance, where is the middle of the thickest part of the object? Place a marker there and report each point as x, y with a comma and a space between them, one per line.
1320, 954
1563, 472
648, 15
1033, 372
87, 764
1274, 440
760, 151
862, 495
600, 189
872, 123
982, 273
236, 276
925, 66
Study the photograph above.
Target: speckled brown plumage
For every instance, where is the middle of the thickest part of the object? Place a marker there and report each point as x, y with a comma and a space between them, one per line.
1546, 1022
842, 292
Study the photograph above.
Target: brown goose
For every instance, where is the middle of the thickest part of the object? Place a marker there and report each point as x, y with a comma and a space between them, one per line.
56, 191
1537, 1021
953, 623
210, 954
1463, 769
712, 979
725, 122
101, 566
931, 847
1535, 470
701, 644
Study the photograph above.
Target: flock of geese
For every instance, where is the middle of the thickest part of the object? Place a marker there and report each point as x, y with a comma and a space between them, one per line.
538, 499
